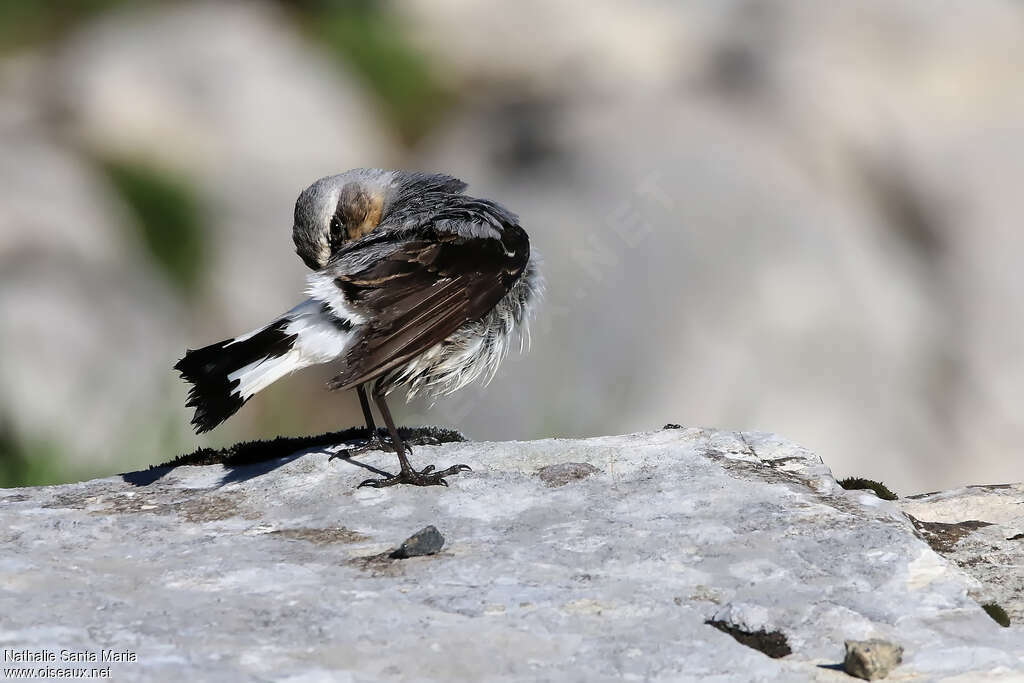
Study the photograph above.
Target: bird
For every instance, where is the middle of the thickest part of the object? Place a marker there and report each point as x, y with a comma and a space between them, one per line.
415, 285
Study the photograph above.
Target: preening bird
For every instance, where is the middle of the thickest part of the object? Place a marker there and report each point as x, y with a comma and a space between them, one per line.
414, 285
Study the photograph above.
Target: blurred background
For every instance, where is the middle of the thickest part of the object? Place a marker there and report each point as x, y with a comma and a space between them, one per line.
796, 217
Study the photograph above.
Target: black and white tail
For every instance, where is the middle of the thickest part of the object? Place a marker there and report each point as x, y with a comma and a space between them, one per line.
227, 374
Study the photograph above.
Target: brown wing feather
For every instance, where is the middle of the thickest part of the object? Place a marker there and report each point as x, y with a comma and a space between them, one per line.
422, 293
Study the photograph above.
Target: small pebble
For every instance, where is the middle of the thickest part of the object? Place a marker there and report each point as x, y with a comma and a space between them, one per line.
871, 659
426, 541
562, 473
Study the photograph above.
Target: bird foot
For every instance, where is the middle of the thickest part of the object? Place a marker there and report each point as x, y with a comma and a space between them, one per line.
374, 443
425, 477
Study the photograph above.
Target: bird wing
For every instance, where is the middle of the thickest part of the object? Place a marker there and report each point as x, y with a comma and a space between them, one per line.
421, 292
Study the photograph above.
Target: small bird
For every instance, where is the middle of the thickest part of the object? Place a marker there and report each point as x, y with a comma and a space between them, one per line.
414, 285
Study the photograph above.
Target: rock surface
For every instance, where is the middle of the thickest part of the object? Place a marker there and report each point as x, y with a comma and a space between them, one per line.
981, 530
280, 570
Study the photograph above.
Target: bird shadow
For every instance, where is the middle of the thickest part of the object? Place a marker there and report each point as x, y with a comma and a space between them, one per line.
249, 459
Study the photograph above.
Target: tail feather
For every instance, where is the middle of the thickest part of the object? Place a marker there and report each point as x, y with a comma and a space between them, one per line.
215, 372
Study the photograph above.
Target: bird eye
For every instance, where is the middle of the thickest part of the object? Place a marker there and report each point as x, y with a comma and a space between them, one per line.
337, 233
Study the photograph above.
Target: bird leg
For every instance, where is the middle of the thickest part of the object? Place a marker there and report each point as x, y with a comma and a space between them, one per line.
373, 442
364, 403
406, 475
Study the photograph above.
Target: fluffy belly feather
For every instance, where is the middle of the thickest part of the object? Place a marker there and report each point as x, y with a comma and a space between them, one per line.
477, 348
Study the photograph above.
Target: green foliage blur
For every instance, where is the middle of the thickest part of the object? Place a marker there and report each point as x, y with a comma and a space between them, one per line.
368, 39
168, 219
28, 462
364, 36
24, 23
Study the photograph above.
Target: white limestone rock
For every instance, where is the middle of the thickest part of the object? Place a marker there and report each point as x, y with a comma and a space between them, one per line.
280, 570
981, 530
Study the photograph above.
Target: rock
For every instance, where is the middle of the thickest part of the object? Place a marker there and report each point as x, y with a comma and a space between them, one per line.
426, 541
279, 570
562, 473
981, 530
871, 659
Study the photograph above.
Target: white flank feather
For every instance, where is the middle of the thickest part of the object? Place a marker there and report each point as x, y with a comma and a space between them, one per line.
320, 286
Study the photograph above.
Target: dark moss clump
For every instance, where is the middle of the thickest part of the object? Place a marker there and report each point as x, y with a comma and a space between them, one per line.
249, 452
997, 613
880, 489
771, 643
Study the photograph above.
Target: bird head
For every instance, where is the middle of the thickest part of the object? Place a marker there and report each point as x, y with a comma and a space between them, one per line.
341, 208
336, 209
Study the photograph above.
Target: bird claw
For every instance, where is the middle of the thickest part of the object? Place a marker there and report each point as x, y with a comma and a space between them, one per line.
425, 477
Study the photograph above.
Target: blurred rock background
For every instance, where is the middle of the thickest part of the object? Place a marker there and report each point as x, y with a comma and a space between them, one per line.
796, 217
